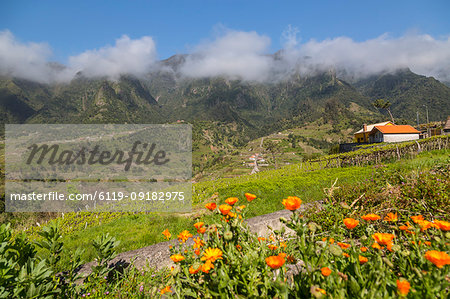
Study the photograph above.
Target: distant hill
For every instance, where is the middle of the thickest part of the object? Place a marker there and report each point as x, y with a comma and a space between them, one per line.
226, 113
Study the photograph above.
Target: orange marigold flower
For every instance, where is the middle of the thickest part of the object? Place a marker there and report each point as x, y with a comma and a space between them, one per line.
232, 215
283, 245
212, 254
238, 247
184, 236
324, 239
282, 254
343, 245
201, 230
165, 290
425, 224
231, 200
272, 247
439, 258
275, 261
211, 206
345, 254
322, 291
383, 239
250, 196
197, 251
292, 203
177, 258
428, 243
194, 271
261, 239
350, 223
331, 240
325, 271
198, 243
405, 227
417, 218
363, 259
225, 209
443, 225
198, 225
371, 217
391, 217
403, 287
167, 234
208, 265
376, 246
363, 249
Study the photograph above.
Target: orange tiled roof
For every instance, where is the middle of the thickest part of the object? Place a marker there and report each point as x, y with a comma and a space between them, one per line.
400, 129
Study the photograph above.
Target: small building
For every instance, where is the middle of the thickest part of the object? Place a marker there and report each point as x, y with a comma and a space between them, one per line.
446, 128
362, 136
393, 133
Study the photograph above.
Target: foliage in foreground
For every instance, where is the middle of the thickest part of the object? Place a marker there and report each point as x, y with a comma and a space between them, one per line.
227, 260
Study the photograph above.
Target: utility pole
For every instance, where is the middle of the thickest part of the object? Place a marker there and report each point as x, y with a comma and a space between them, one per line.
426, 107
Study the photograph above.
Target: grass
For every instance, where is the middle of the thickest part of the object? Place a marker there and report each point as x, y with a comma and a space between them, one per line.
140, 230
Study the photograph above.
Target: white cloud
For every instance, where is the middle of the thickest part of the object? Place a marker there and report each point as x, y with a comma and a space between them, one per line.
235, 54
29, 61
423, 54
127, 56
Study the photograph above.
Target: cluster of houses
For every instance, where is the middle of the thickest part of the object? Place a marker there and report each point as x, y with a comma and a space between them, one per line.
390, 132
386, 132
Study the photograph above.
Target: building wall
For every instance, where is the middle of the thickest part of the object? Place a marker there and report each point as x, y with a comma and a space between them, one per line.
399, 137
377, 137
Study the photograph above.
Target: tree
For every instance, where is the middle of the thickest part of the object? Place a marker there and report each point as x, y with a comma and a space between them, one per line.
384, 104
273, 148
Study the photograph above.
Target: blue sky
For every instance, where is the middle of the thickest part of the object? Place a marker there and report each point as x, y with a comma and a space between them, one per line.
71, 27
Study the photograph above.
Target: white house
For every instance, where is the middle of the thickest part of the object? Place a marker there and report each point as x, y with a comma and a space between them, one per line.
393, 133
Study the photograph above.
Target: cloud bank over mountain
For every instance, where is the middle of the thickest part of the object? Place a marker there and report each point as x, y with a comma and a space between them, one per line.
237, 55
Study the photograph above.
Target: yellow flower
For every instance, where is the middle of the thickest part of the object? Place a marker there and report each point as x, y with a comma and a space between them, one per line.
371, 217
225, 209
165, 290
198, 243
403, 287
350, 223
292, 203
439, 258
212, 254
272, 247
177, 258
363, 259
443, 225
184, 236
167, 234
391, 217
325, 271
231, 200
250, 196
275, 261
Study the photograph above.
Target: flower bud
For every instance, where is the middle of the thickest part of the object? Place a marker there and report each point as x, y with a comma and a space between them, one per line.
283, 220
335, 250
228, 235
388, 263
